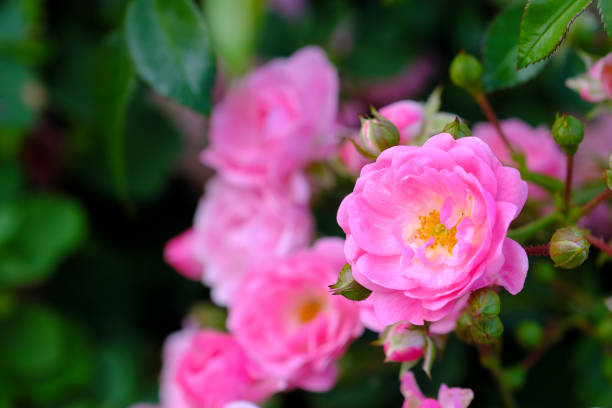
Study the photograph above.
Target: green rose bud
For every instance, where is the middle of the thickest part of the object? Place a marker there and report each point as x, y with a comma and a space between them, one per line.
466, 72
568, 248
568, 132
486, 331
484, 303
378, 133
462, 330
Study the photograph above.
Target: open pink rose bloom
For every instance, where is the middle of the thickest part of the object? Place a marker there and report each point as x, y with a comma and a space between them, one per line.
427, 225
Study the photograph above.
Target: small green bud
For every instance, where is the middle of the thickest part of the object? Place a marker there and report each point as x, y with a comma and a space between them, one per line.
486, 331
568, 247
529, 334
378, 133
609, 179
349, 287
457, 129
568, 132
484, 303
466, 72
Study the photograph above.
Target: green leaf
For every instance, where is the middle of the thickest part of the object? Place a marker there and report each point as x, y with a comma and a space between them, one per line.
31, 343
48, 228
605, 11
501, 50
113, 83
348, 287
168, 42
543, 27
233, 29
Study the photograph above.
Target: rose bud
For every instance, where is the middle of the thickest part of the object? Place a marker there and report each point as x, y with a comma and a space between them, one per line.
466, 72
484, 303
402, 343
568, 132
377, 134
568, 248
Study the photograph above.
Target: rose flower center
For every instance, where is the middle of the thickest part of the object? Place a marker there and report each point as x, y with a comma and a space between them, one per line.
309, 310
431, 226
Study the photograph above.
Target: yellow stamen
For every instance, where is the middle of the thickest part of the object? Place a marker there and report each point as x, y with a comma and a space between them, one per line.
309, 310
430, 226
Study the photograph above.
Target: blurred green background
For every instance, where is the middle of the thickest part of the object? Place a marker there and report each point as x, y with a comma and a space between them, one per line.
97, 172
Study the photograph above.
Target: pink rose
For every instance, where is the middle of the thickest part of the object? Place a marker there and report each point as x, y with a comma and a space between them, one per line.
426, 226
237, 228
180, 254
208, 369
541, 152
406, 115
596, 84
447, 397
275, 121
289, 323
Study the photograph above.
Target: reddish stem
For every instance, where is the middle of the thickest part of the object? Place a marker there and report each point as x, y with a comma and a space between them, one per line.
484, 104
599, 243
588, 207
538, 250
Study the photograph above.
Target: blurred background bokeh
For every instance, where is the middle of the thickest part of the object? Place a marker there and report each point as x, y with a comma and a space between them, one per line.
98, 172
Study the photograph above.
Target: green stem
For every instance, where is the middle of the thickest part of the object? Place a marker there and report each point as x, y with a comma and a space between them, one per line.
567, 191
491, 361
528, 230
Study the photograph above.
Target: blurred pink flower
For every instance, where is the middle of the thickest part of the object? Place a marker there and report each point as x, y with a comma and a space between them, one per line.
208, 369
591, 161
236, 228
596, 84
275, 121
541, 152
427, 225
289, 323
447, 397
180, 254
406, 115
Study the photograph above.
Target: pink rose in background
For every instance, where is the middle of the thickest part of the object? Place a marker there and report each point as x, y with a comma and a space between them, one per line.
208, 369
241, 404
427, 225
180, 254
596, 84
447, 397
591, 162
407, 116
541, 152
275, 121
236, 228
289, 323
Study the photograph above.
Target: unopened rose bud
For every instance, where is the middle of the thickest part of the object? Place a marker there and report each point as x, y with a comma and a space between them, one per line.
466, 72
378, 133
568, 248
462, 330
484, 303
403, 343
457, 129
568, 132
486, 331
